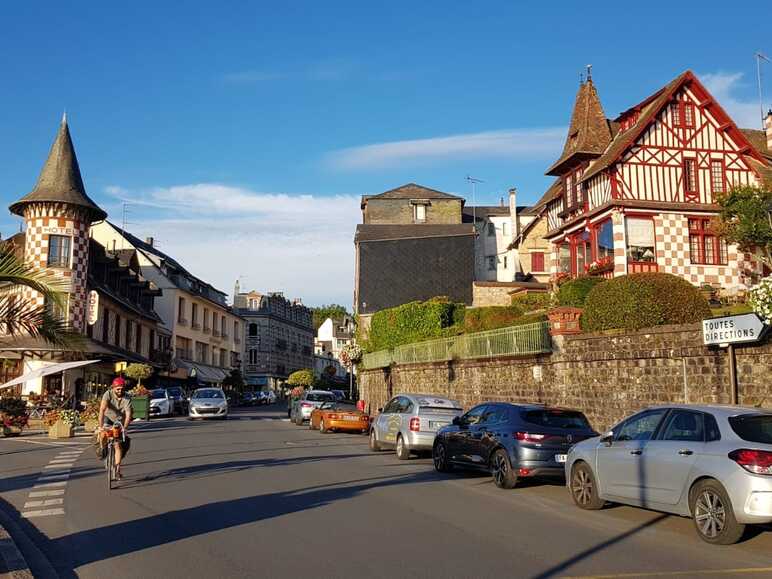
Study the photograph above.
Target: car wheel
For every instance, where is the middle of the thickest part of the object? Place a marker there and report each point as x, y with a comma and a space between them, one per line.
403, 452
440, 457
310, 424
501, 470
374, 446
322, 428
584, 489
298, 421
712, 514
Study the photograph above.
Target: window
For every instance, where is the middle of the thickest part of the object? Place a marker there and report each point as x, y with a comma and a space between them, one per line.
640, 239
583, 252
59, 250
58, 311
505, 262
253, 356
753, 427
494, 415
688, 114
252, 330
537, 261
419, 212
717, 176
491, 229
194, 314
181, 310
564, 254
641, 426
690, 180
474, 415
704, 247
504, 229
675, 111
685, 426
604, 240
491, 262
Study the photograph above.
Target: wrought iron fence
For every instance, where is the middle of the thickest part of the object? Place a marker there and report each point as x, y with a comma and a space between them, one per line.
515, 340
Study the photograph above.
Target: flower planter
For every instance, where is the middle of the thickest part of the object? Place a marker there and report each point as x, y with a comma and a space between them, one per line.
61, 430
564, 321
11, 430
91, 425
140, 407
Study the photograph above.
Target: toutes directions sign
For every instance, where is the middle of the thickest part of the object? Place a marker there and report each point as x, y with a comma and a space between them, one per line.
732, 329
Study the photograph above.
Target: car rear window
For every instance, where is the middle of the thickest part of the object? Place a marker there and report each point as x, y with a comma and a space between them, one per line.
753, 427
156, 394
554, 418
319, 397
346, 407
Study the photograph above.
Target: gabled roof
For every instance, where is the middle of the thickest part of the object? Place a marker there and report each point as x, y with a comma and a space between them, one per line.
411, 191
60, 179
651, 107
553, 192
758, 139
589, 133
366, 233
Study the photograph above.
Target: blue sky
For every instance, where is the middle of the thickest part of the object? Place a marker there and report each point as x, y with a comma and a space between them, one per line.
242, 133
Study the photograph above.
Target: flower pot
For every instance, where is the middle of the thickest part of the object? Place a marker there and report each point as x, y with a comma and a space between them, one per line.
91, 425
61, 430
11, 430
140, 407
564, 321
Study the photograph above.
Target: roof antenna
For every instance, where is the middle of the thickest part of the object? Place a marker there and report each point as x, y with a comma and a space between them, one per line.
759, 57
64, 117
589, 73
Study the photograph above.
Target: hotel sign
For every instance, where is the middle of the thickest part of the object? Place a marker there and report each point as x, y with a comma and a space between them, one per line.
92, 307
732, 330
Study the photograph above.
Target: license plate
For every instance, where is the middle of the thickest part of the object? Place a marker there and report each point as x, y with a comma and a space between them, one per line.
437, 425
351, 418
560, 457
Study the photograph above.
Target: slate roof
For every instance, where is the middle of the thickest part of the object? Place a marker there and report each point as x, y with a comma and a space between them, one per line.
411, 191
553, 192
758, 139
480, 210
588, 133
60, 179
368, 232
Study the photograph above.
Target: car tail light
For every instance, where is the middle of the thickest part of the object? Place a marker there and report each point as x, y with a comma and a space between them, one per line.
306, 405
755, 461
415, 424
365, 417
523, 471
334, 417
530, 437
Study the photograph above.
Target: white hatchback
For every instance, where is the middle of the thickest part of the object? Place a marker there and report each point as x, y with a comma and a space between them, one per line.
208, 403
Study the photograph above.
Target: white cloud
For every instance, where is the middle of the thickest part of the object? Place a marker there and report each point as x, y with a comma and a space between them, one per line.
724, 86
300, 244
515, 144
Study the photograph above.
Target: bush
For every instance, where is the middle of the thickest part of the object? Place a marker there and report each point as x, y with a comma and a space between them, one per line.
532, 301
574, 293
412, 322
643, 300
490, 318
303, 378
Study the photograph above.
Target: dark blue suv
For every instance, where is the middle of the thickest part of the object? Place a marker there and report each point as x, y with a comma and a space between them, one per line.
511, 441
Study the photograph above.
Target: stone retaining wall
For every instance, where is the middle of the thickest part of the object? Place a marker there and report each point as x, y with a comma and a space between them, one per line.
607, 376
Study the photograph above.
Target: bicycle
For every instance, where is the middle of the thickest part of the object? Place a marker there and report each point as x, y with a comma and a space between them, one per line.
115, 432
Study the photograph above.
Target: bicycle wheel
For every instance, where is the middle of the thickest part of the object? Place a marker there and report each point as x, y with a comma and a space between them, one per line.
109, 465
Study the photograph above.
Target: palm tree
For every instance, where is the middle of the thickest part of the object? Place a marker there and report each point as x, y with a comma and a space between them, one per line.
18, 317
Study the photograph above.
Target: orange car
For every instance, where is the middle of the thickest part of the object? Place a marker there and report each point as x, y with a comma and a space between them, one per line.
341, 416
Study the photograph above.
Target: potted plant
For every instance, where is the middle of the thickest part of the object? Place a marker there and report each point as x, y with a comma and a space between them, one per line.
13, 415
61, 423
140, 396
90, 416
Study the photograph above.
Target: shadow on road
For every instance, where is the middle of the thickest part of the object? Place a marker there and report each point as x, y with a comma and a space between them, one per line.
28, 480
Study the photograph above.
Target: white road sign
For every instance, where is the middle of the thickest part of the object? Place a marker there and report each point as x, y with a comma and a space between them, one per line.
732, 329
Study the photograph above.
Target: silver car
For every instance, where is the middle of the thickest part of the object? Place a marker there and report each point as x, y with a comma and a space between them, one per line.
208, 403
710, 463
409, 423
303, 407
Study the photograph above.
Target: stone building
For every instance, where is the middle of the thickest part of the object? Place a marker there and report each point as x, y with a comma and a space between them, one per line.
278, 336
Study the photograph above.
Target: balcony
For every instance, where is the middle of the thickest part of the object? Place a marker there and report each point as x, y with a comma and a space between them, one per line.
195, 326
215, 333
182, 321
236, 340
207, 330
224, 335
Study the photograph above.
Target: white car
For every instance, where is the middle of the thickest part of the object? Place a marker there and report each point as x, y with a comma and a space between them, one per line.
208, 403
160, 403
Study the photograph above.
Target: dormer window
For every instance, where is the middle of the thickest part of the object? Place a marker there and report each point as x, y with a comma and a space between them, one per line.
419, 210
683, 114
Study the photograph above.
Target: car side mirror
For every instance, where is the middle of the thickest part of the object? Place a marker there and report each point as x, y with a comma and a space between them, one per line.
607, 438
456, 420
380, 410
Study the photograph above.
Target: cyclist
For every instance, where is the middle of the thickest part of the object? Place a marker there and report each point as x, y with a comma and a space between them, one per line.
115, 407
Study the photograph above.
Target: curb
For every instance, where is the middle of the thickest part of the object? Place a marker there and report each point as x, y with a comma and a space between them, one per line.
13, 564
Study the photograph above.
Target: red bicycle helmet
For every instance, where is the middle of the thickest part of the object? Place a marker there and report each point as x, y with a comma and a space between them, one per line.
118, 382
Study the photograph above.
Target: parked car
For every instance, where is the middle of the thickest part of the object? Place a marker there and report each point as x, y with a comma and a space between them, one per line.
179, 398
339, 394
710, 463
409, 423
208, 403
511, 441
336, 416
160, 403
249, 399
268, 396
301, 408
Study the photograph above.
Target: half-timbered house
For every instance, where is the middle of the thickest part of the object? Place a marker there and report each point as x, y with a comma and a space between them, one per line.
638, 193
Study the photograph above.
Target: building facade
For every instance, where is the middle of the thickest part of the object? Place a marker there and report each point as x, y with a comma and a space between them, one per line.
278, 335
333, 335
638, 193
205, 333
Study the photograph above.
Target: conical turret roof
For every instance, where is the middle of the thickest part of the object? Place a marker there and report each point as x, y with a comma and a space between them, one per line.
589, 133
60, 179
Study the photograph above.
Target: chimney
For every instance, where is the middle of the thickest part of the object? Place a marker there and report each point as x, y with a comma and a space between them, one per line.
513, 212
149, 241
768, 128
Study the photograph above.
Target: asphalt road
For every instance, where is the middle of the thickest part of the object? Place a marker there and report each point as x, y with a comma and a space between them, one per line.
258, 496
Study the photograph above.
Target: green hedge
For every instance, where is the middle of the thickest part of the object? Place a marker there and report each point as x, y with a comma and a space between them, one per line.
643, 300
490, 318
574, 292
412, 322
531, 301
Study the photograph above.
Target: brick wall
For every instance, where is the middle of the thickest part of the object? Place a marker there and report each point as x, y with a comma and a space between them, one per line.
492, 293
606, 376
400, 211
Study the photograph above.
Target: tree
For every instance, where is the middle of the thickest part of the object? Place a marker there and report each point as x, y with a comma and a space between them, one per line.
303, 378
745, 220
19, 317
321, 313
234, 380
138, 372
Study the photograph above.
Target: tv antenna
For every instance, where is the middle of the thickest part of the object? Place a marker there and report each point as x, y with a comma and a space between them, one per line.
473, 181
759, 57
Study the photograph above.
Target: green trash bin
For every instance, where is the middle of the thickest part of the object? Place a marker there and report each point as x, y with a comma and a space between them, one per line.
140, 407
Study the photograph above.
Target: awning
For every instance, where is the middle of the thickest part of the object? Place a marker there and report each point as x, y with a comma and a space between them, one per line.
46, 370
203, 372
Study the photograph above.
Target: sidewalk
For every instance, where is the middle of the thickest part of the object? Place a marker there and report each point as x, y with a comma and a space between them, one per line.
13, 565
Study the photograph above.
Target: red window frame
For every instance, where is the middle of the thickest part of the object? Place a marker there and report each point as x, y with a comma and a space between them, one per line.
702, 237
690, 177
675, 111
537, 261
687, 114
721, 174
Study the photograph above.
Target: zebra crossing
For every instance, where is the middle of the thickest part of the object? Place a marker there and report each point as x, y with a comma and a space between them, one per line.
47, 495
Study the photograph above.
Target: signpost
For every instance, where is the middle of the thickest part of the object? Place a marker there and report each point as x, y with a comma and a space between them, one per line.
730, 330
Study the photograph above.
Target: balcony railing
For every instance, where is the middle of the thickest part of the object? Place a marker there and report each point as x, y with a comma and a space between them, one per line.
182, 321
224, 335
195, 326
207, 330
183, 353
517, 340
236, 340
216, 333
